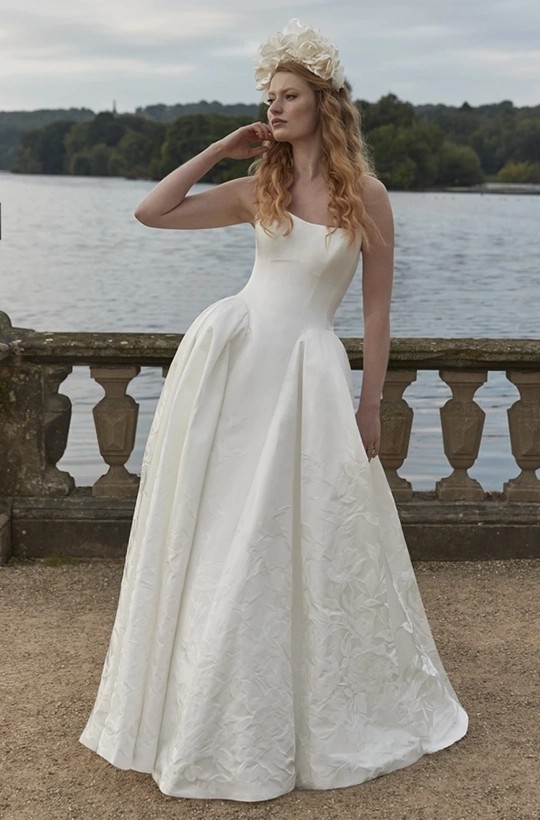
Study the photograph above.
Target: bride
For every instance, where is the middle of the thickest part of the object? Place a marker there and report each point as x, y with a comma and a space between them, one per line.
270, 632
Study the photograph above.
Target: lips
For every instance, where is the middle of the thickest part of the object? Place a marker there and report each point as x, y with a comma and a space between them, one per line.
277, 122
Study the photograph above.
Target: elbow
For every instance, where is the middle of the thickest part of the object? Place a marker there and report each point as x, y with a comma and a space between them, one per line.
142, 215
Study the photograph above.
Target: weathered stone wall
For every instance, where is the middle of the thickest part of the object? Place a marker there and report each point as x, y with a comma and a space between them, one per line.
86, 526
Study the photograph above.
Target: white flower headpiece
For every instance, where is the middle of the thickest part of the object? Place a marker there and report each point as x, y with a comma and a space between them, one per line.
299, 44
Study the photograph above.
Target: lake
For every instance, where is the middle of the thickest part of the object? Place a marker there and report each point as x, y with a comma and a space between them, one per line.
73, 258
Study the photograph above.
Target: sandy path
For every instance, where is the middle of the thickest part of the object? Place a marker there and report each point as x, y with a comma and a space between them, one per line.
55, 625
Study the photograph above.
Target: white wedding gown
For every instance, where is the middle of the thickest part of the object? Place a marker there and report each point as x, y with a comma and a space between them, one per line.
270, 632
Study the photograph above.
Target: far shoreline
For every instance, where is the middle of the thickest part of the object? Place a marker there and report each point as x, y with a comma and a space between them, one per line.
528, 188
495, 188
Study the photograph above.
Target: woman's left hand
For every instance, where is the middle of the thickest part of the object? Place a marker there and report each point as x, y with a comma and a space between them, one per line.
369, 425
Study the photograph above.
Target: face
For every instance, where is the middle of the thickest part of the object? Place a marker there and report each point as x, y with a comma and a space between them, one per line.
292, 110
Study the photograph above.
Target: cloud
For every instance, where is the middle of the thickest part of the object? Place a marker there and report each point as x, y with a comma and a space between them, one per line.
144, 51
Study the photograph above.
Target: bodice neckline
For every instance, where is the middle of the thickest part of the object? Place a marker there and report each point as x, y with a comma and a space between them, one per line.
316, 224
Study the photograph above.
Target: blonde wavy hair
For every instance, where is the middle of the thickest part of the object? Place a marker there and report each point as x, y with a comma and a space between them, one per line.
346, 164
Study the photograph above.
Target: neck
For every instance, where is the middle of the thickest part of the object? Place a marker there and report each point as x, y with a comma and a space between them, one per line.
307, 160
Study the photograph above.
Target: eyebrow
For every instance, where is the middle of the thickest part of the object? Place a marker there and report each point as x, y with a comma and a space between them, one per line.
285, 90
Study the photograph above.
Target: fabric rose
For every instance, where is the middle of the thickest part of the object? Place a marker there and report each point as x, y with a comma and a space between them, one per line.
299, 44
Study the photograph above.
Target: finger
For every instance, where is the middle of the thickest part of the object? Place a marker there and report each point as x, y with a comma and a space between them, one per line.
263, 131
261, 149
372, 451
257, 128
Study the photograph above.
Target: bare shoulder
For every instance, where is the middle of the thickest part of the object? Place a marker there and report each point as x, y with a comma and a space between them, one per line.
373, 191
379, 209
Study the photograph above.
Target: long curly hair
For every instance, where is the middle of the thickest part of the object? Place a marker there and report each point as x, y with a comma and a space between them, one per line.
346, 163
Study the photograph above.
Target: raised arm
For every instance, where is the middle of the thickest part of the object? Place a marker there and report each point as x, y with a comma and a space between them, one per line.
168, 205
377, 276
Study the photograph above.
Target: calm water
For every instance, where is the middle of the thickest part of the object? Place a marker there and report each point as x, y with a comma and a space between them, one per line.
72, 257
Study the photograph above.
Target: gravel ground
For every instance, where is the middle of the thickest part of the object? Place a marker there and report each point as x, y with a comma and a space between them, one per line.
56, 622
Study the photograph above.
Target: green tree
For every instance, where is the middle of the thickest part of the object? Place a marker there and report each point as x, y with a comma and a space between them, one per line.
106, 128
10, 145
489, 142
389, 151
189, 135
525, 140
15, 124
43, 151
458, 165
132, 156
100, 156
389, 110
139, 149
77, 139
80, 164
402, 176
423, 142
407, 157
524, 172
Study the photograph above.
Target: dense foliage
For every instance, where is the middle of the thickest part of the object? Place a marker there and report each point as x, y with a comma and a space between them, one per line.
414, 147
169, 113
14, 124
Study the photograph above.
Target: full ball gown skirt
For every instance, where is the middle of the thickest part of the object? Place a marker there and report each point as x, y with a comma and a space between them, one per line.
270, 633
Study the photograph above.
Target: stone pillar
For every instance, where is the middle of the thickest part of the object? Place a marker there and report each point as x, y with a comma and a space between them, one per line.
524, 423
57, 410
115, 419
396, 423
462, 423
34, 422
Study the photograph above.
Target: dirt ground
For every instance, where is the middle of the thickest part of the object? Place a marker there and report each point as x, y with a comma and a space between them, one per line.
55, 626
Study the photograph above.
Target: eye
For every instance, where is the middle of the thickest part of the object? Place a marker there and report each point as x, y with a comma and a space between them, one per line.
291, 96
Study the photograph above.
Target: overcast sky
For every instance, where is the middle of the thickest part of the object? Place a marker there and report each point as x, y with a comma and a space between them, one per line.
63, 53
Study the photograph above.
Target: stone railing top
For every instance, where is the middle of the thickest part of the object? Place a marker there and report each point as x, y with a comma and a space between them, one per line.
159, 348
426, 353
7, 334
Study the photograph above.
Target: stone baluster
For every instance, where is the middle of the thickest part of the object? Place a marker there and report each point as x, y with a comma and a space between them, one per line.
462, 423
524, 423
115, 419
396, 424
57, 418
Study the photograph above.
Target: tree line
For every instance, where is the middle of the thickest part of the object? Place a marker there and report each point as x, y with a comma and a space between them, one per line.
14, 124
413, 147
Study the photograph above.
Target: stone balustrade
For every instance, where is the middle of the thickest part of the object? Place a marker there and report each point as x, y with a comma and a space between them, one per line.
35, 421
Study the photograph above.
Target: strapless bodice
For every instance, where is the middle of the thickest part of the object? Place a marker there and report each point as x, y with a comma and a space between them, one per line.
304, 274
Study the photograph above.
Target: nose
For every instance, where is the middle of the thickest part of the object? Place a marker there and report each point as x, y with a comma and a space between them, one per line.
274, 106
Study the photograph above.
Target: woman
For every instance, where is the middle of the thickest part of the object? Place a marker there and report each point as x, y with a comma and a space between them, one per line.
270, 633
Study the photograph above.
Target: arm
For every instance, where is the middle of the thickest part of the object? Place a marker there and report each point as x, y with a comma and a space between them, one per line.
377, 276
169, 206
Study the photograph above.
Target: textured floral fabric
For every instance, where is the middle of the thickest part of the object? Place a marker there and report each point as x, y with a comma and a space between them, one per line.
270, 632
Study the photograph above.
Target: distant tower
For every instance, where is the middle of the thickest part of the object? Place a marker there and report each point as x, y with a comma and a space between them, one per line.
114, 107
